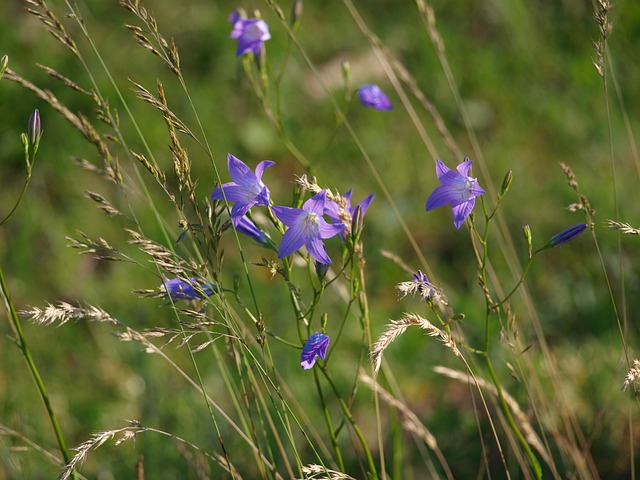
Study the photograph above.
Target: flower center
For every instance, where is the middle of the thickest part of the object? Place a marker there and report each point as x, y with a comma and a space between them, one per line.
310, 224
464, 186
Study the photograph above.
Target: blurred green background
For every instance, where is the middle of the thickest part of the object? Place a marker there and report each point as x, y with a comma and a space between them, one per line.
525, 74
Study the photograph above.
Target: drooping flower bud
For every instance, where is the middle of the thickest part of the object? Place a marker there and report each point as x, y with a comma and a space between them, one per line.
566, 236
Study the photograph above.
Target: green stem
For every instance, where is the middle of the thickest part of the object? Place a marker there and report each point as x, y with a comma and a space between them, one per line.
512, 423
347, 413
17, 327
327, 417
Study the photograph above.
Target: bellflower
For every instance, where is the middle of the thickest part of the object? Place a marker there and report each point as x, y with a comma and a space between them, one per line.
337, 214
247, 227
246, 190
307, 227
251, 33
315, 346
371, 96
178, 289
565, 236
457, 189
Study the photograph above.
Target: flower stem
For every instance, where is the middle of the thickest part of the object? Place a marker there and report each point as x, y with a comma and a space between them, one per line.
537, 470
22, 343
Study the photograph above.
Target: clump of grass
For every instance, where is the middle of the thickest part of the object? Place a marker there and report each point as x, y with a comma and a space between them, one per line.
237, 336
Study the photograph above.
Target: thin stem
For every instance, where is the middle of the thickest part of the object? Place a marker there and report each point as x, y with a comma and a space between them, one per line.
22, 343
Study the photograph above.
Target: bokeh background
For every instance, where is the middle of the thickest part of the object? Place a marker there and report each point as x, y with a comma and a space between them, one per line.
525, 74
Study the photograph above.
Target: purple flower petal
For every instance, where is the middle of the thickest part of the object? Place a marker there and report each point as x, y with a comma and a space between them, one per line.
179, 289
246, 190
371, 96
457, 189
247, 227
316, 249
315, 346
292, 240
251, 33
306, 227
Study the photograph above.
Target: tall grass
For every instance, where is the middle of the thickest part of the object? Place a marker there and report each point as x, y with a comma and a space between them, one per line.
479, 363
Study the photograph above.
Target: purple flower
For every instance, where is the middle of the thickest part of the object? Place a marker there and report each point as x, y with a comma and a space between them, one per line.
250, 32
178, 289
246, 190
566, 236
315, 346
337, 214
371, 96
247, 227
457, 188
307, 227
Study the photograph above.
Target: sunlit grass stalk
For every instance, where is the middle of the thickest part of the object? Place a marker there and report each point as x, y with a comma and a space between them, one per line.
535, 464
16, 325
327, 417
354, 425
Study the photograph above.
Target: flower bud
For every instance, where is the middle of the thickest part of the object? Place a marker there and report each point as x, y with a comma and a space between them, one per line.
566, 235
526, 230
321, 269
506, 183
357, 222
34, 128
296, 13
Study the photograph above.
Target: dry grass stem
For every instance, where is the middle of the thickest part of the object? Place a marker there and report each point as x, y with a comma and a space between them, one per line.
127, 433
632, 375
318, 472
523, 422
100, 248
64, 312
410, 421
397, 327
105, 205
623, 227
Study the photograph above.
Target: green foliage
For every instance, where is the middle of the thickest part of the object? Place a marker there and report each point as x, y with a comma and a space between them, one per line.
528, 88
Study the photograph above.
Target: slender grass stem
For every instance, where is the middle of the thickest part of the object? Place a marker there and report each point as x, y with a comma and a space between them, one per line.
26, 353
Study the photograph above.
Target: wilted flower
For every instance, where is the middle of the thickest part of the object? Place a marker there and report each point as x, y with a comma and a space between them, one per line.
247, 227
315, 346
179, 289
337, 214
251, 33
371, 96
307, 227
565, 236
457, 189
246, 190
421, 285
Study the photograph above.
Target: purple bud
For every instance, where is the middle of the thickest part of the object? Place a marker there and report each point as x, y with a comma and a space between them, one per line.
34, 127
566, 235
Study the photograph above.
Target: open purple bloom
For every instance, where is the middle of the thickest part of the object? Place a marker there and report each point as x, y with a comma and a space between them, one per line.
307, 227
345, 216
247, 227
566, 235
250, 32
371, 96
179, 289
315, 346
457, 189
246, 190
